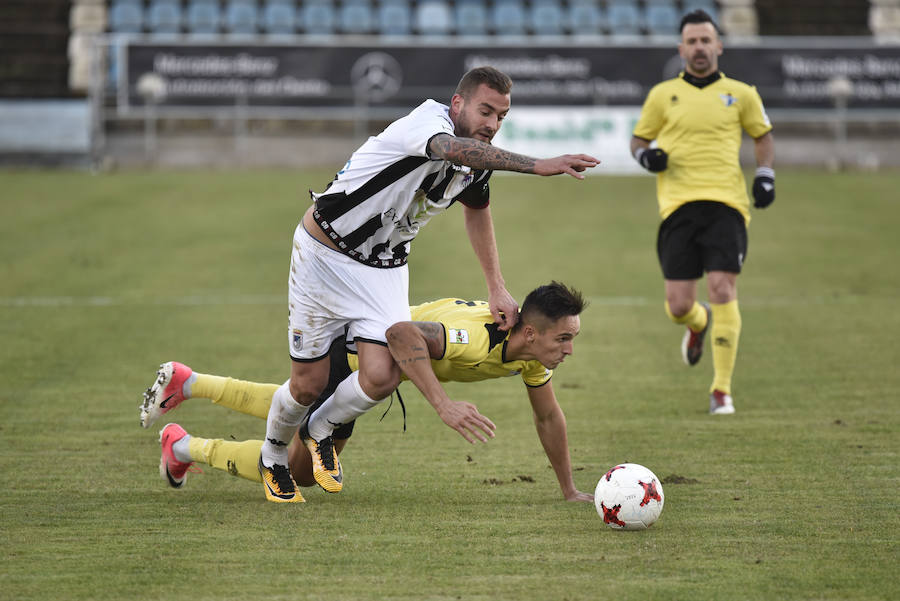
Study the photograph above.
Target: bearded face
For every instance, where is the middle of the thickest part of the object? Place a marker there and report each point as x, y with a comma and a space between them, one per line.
480, 114
700, 48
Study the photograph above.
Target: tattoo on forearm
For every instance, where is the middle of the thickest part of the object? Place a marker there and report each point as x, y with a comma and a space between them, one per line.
480, 155
418, 353
406, 361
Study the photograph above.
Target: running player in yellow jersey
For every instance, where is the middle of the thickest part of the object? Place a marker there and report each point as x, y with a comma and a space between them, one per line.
697, 120
463, 344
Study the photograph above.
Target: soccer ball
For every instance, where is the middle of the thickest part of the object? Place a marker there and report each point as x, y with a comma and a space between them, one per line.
629, 497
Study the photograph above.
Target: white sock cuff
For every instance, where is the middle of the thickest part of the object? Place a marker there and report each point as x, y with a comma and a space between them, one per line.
289, 409
346, 404
181, 448
285, 415
354, 379
188, 383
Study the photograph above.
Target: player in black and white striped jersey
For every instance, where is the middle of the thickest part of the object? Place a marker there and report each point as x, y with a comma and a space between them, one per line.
390, 188
348, 265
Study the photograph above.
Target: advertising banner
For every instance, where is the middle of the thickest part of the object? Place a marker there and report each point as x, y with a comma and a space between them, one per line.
602, 132
399, 76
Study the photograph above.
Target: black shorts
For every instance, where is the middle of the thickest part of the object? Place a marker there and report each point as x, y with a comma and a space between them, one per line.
701, 236
339, 370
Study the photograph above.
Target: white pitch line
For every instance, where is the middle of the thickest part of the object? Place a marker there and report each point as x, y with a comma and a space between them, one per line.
619, 301
205, 300
108, 301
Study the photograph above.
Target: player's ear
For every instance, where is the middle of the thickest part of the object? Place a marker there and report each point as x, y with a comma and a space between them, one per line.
456, 104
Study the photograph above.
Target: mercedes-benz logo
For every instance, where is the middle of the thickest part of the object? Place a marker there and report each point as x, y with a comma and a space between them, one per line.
376, 76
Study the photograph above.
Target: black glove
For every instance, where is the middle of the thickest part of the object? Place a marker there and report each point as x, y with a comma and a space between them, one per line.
764, 187
653, 160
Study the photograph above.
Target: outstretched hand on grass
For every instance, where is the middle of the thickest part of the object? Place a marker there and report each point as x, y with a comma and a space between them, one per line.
465, 419
578, 496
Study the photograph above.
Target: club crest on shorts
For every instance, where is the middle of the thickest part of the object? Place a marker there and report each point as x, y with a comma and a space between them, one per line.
296, 340
458, 336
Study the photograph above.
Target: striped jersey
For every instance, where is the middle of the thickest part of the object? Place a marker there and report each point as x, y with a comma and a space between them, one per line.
391, 187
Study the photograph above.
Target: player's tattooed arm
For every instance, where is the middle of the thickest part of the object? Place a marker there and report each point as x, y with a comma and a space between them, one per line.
479, 155
415, 341
412, 344
435, 338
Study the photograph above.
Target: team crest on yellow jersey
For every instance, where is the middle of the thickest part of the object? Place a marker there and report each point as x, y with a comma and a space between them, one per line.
728, 99
458, 336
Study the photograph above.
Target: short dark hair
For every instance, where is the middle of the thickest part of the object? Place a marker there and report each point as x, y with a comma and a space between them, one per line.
493, 78
551, 301
698, 16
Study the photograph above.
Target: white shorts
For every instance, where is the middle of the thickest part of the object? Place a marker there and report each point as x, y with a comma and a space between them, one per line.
329, 292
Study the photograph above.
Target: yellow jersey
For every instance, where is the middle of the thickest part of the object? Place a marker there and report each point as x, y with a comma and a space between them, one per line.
475, 347
700, 130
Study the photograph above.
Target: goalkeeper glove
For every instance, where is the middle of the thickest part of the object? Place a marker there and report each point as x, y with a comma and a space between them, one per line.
653, 160
764, 187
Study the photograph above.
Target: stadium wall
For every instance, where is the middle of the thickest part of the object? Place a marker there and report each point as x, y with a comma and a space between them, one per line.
834, 101
181, 101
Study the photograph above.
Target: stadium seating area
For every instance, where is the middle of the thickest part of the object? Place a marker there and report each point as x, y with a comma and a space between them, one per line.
35, 34
399, 17
501, 18
270, 19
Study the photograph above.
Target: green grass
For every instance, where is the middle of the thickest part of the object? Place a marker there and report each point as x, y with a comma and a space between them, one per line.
104, 277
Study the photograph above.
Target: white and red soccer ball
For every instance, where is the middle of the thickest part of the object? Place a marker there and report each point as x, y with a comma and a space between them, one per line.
629, 497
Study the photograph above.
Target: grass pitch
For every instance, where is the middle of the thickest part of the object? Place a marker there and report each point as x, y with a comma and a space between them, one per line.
794, 497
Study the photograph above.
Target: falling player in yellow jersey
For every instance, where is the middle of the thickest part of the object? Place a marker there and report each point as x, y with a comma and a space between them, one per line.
697, 120
450, 340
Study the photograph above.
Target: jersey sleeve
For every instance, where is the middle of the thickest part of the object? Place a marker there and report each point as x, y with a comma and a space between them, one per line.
423, 125
754, 119
535, 374
652, 116
476, 195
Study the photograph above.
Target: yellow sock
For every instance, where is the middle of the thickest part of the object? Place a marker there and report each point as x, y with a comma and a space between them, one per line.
236, 458
695, 319
724, 336
250, 398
